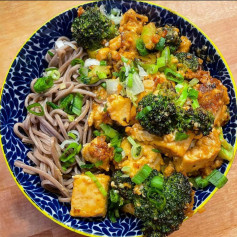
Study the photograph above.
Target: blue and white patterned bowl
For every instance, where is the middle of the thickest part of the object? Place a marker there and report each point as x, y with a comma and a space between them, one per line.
29, 64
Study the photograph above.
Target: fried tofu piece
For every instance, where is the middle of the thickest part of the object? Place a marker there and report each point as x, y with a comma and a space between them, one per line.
87, 200
153, 159
98, 150
119, 109
212, 96
201, 155
170, 147
98, 116
166, 144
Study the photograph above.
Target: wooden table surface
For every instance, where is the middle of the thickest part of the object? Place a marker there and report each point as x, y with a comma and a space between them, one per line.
18, 21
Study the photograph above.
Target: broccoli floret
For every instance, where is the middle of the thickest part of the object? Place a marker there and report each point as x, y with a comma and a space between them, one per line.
161, 118
91, 27
172, 37
123, 184
160, 115
177, 193
161, 211
121, 193
198, 120
188, 60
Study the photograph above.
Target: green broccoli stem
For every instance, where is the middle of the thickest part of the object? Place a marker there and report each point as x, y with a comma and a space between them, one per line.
226, 154
227, 151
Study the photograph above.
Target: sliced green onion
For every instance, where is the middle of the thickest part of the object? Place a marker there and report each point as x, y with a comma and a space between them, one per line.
150, 68
72, 135
178, 87
126, 169
217, 179
156, 150
161, 62
122, 75
55, 74
131, 141
104, 85
42, 84
193, 82
180, 136
125, 60
116, 141
173, 76
192, 93
132, 70
118, 156
136, 152
166, 54
83, 71
50, 69
130, 80
195, 104
97, 183
77, 61
142, 174
103, 63
115, 74
66, 102
52, 105
159, 204
118, 149
161, 44
35, 105
50, 53
200, 182
98, 163
110, 132
76, 149
96, 133
87, 166
192, 180
77, 104
71, 117
157, 182
183, 97
141, 47
101, 75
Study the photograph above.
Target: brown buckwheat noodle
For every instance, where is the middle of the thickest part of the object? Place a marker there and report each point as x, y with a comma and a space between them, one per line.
46, 133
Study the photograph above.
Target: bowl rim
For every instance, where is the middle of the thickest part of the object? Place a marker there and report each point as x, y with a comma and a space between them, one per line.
94, 1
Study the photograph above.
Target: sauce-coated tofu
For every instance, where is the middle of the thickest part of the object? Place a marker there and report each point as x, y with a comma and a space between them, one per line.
87, 200
119, 109
202, 155
98, 150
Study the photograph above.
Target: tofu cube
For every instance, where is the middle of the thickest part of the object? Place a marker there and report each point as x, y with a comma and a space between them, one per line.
202, 155
87, 200
98, 150
119, 109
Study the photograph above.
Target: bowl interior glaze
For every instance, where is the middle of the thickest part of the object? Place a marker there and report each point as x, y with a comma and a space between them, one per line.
29, 64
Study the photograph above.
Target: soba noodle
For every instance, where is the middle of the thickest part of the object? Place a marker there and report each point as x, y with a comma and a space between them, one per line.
46, 133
